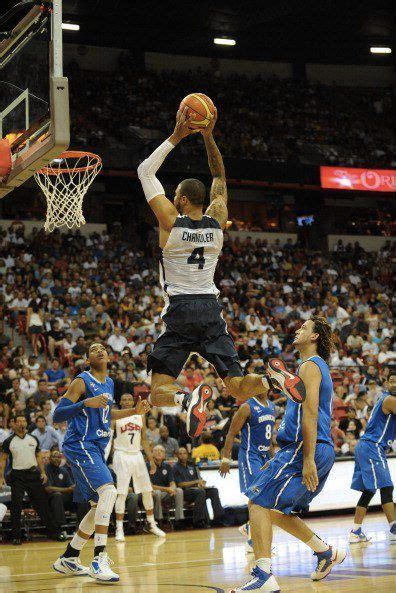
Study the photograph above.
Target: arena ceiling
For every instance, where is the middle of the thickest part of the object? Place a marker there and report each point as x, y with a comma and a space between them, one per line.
332, 31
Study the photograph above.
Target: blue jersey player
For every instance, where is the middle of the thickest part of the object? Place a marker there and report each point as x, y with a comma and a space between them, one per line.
371, 466
299, 470
87, 407
255, 421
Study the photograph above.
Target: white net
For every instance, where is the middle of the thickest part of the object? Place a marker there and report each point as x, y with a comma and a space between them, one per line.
65, 182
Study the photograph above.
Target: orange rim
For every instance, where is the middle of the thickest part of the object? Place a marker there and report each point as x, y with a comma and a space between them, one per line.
73, 154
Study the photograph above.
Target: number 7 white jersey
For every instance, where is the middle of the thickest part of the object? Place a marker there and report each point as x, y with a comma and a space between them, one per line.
128, 434
189, 259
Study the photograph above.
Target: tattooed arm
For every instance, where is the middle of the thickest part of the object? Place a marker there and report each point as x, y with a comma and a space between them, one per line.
218, 193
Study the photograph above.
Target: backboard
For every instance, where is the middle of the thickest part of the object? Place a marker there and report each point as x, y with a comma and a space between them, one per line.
34, 96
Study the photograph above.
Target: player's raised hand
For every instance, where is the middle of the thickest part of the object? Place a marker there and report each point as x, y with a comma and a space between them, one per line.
310, 475
99, 401
182, 128
142, 407
208, 131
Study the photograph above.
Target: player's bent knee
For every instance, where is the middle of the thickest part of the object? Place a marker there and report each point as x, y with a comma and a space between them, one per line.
386, 494
365, 499
107, 497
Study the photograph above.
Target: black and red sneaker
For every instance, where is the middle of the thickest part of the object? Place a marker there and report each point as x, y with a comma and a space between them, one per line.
291, 385
195, 406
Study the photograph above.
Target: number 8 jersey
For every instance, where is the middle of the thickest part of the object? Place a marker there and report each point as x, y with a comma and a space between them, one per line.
189, 259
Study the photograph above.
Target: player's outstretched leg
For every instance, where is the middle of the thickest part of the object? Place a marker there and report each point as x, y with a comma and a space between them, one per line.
100, 568
69, 563
166, 392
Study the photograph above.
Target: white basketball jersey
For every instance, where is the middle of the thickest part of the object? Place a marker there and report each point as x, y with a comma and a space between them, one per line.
189, 259
128, 434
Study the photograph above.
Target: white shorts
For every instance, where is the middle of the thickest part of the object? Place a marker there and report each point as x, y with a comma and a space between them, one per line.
131, 465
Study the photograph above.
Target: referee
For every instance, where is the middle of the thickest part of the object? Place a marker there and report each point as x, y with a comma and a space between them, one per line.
27, 475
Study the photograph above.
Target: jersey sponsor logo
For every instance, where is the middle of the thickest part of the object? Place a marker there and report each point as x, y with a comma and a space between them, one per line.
102, 433
130, 427
256, 408
197, 237
164, 471
263, 448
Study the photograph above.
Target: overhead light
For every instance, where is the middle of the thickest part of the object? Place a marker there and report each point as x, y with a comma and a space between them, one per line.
70, 27
223, 41
381, 50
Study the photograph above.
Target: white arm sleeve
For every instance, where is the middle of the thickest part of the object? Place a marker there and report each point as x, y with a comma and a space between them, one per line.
147, 169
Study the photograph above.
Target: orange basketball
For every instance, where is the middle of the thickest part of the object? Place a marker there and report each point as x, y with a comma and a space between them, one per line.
200, 108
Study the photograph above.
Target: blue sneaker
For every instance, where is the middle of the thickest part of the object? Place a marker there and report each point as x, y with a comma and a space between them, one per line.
326, 561
100, 569
358, 537
260, 581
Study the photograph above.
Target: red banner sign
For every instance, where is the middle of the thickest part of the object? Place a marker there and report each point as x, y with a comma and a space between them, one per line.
383, 180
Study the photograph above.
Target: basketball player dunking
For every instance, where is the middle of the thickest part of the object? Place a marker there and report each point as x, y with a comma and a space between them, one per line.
299, 470
87, 407
191, 242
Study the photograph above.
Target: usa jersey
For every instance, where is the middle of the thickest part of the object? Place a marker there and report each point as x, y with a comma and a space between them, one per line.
91, 424
257, 431
290, 430
189, 259
128, 434
381, 428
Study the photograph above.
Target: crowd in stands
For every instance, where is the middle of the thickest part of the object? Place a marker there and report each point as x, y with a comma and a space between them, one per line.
59, 292
253, 114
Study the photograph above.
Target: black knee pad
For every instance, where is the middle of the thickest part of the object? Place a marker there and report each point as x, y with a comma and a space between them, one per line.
365, 499
386, 494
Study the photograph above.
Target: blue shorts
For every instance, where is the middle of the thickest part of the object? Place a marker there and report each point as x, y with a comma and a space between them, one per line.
249, 467
279, 486
89, 469
371, 468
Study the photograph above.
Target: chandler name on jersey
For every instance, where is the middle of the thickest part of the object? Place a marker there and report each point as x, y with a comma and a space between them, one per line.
186, 268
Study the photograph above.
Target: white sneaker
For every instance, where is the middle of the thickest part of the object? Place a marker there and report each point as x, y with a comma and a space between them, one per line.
119, 536
71, 566
154, 530
100, 569
326, 561
260, 581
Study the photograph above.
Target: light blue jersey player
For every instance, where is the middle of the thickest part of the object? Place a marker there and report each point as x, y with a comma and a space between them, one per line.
299, 470
371, 466
87, 407
255, 421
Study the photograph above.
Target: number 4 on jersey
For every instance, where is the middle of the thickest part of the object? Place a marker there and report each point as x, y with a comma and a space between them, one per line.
197, 257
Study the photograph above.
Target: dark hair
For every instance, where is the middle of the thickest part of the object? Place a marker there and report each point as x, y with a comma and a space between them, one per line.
41, 416
194, 190
325, 340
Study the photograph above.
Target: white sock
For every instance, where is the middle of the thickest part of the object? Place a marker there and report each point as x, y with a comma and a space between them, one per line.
317, 545
356, 526
179, 398
264, 564
78, 542
151, 520
120, 524
100, 539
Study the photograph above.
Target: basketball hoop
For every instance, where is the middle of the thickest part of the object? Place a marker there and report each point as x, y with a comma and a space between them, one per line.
64, 182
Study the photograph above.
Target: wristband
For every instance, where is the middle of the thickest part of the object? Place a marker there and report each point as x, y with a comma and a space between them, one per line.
226, 460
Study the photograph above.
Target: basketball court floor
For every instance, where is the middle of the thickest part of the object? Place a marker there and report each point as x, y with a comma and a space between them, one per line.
209, 560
